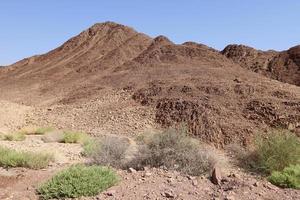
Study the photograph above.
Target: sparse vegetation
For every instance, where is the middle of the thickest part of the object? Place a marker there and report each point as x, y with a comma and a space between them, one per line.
78, 181
74, 137
89, 147
277, 154
43, 130
66, 137
12, 158
53, 136
174, 149
110, 151
277, 151
14, 137
288, 178
34, 130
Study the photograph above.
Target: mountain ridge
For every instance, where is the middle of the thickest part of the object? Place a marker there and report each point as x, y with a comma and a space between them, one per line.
217, 94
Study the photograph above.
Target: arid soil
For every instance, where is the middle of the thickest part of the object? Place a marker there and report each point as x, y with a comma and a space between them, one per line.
110, 79
20, 184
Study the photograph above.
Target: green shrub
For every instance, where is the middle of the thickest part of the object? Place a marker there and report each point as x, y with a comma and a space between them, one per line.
14, 137
89, 147
277, 151
78, 181
288, 178
175, 150
74, 137
12, 158
43, 130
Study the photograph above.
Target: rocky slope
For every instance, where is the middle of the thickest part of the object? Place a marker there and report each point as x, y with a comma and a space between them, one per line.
220, 101
283, 66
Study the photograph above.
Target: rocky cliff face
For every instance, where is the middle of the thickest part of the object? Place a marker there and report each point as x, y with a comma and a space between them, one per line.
283, 66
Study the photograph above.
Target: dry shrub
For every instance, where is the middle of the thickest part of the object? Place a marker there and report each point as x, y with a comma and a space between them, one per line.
110, 151
35, 130
13, 137
175, 150
53, 136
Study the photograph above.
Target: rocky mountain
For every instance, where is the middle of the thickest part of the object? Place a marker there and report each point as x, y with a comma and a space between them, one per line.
283, 66
214, 93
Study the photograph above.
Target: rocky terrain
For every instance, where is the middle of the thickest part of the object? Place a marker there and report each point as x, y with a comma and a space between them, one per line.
283, 66
110, 79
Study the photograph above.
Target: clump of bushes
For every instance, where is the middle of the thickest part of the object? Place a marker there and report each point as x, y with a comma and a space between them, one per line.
14, 137
78, 181
288, 178
176, 150
172, 148
12, 158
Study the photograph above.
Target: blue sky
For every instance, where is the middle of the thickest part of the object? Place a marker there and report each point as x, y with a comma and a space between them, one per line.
34, 26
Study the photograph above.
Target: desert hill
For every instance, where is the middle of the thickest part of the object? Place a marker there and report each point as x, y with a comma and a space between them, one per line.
283, 66
112, 72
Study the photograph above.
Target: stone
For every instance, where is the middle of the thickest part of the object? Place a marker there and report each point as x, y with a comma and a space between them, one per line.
256, 184
131, 170
216, 176
110, 193
169, 195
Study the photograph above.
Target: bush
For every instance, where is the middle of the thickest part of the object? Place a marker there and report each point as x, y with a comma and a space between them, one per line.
89, 147
53, 136
12, 158
65, 137
279, 150
33, 130
272, 153
110, 151
14, 137
43, 130
74, 137
288, 178
175, 150
78, 181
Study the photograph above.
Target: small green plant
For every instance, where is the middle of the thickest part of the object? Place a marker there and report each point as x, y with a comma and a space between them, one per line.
74, 137
14, 137
277, 151
288, 178
12, 158
78, 181
43, 130
89, 147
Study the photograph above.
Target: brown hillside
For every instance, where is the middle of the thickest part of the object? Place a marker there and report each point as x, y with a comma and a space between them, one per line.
283, 66
219, 100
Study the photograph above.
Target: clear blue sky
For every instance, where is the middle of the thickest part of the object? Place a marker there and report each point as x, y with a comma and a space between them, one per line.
37, 26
